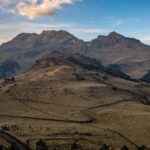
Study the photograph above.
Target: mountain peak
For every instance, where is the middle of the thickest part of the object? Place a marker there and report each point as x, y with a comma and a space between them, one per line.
46, 34
23, 36
115, 34
55, 33
112, 36
117, 40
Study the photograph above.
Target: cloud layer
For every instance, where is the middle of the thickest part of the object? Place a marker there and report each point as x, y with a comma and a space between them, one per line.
34, 8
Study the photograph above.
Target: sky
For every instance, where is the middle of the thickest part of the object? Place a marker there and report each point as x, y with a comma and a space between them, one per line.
85, 19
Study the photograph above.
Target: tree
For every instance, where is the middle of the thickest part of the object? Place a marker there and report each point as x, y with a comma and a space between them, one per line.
13, 146
143, 147
41, 145
75, 146
124, 148
104, 147
1, 147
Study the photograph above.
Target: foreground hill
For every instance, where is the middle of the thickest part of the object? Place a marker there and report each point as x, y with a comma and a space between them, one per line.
130, 55
67, 99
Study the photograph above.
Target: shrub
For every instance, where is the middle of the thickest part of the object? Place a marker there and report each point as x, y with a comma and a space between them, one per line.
104, 147
124, 148
41, 145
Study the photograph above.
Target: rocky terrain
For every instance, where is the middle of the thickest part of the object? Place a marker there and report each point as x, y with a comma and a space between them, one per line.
130, 55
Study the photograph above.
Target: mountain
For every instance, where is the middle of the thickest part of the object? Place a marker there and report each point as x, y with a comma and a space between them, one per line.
115, 40
68, 98
25, 48
130, 54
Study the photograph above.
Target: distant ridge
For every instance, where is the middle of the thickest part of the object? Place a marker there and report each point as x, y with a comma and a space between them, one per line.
130, 54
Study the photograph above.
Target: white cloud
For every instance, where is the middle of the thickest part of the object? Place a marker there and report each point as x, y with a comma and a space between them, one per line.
47, 7
34, 8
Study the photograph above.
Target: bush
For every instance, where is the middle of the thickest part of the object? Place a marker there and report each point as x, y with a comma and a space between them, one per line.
124, 148
5, 127
114, 88
1, 147
143, 147
104, 147
41, 145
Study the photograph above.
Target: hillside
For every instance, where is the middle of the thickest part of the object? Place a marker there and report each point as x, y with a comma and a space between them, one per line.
26, 48
70, 99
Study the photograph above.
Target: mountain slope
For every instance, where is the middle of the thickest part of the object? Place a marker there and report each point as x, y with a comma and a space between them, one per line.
63, 99
129, 53
28, 47
9, 68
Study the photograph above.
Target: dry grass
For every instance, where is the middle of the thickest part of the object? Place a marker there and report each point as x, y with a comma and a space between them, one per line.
64, 110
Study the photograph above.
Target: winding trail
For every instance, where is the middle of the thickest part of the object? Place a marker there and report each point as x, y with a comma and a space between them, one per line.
119, 134
48, 119
108, 105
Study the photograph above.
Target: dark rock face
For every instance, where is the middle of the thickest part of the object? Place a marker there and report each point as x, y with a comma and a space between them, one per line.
9, 68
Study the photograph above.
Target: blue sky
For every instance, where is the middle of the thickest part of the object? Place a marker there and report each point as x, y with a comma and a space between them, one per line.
85, 18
